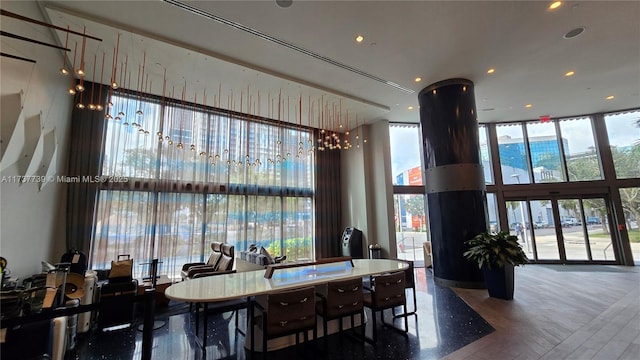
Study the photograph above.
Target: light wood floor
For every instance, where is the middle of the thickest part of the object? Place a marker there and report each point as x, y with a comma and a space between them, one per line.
561, 312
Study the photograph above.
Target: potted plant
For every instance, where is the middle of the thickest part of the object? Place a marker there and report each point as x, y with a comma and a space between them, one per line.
496, 254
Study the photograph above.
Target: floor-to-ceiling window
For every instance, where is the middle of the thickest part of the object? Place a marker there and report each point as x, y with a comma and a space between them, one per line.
557, 190
561, 197
410, 212
181, 176
623, 131
489, 178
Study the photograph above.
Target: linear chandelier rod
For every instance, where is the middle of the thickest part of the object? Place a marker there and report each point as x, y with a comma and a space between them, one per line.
24, 18
18, 37
17, 57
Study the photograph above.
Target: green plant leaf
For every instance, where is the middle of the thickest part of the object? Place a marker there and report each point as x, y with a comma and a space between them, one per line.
495, 250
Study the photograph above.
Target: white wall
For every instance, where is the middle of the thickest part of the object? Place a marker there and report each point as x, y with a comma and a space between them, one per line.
32, 220
368, 190
354, 195
380, 188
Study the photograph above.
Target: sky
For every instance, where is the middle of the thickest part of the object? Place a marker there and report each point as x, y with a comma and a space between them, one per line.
404, 140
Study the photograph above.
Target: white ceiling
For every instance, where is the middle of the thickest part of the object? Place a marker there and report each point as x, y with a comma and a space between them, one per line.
434, 40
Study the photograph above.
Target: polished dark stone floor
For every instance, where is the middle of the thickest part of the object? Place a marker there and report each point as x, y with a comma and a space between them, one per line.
444, 324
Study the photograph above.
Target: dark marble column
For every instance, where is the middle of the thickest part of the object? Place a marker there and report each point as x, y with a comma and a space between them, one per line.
456, 193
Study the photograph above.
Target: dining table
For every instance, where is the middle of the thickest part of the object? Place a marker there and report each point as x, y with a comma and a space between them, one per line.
230, 288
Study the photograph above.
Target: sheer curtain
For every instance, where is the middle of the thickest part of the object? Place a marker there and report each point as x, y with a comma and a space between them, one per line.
177, 177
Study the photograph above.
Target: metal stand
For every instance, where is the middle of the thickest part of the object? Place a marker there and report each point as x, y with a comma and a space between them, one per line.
154, 278
149, 325
61, 271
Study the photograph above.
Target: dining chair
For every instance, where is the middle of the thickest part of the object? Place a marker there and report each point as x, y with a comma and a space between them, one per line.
387, 292
410, 283
234, 306
283, 313
339, 299
221, 307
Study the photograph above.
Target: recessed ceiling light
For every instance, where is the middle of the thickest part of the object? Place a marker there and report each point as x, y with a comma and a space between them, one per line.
410, 108
554, 5
574, 32
491, 71
610, 97
528, 106
284, 3
569, 73
359, 38
418, 79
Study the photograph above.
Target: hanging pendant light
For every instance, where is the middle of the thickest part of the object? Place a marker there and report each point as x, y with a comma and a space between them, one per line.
72, 89
63, 70
141, 88
91, 105
80, 70
114, 83
99, 106
139, 112
80, 89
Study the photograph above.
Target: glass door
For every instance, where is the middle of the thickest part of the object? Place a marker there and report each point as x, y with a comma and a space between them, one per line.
544, 230
520, 225
562, 229
585, 229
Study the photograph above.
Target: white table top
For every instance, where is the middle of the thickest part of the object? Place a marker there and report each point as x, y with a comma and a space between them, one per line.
251, 283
